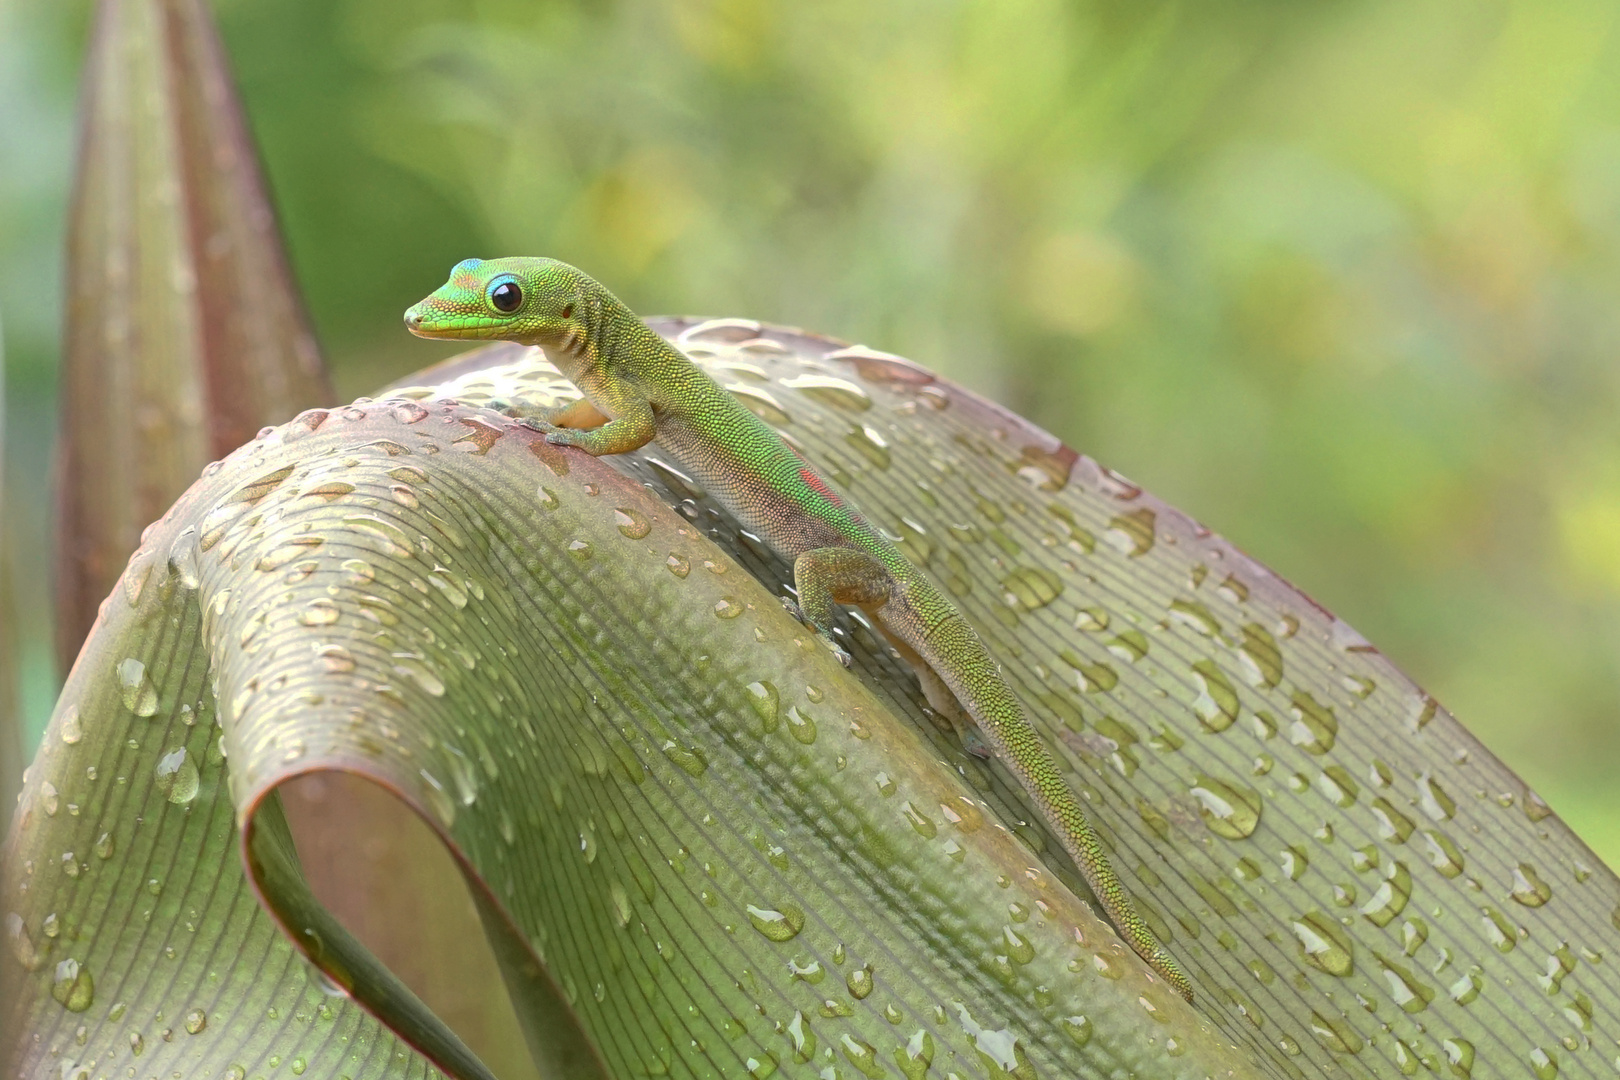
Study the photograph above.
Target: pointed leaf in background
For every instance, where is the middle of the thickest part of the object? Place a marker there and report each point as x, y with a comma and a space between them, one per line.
184, 331
10, 708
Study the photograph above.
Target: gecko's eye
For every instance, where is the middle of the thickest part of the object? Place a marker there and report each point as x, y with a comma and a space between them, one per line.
507, 296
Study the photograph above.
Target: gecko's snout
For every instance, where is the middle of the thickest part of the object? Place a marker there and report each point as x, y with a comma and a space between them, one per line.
413, 319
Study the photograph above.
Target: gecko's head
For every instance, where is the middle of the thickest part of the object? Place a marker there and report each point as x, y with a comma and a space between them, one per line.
533, 301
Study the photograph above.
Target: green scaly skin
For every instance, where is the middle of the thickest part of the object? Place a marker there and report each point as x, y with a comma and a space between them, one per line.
638, 388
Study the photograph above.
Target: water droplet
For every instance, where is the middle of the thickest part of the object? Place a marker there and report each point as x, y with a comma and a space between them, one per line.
1261, 659
631, 522
687, 758
1229, 809
999, 1047
1460, 1055
335, 659
1324, 943
319, 612
1543, 1064
679, 565
1019, 949
1390, 898
800, 725
783, 925
1409, 992
72, 730
176, 776
196, 1021
869, 442
1528, 888
1315, 729
916, 1056
1132, 534
765, 699
839, 393
1392, 824
1335, 1035
1217, 703
1443, 854
859, 981
1467, 987
140, 696
48, 798
862, 1056
919, 821
581, 549
1078, 1028
439, 801
22, 945
1335, 783
415, 668
73, 988
1094, 678
727, 608
1031, 587
885, 785
1498, 930
1433, 798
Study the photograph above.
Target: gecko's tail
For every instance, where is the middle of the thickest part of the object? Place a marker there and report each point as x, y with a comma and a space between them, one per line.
959, 658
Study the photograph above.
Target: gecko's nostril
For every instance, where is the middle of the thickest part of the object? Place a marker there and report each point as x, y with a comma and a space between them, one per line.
412, 319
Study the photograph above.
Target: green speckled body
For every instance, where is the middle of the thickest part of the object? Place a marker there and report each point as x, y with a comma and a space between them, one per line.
638, 388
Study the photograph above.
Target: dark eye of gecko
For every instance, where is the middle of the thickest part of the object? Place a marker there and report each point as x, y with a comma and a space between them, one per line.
506, 296
568, 311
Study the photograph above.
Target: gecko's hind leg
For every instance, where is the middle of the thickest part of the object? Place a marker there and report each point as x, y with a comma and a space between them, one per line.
940, 698
829, 576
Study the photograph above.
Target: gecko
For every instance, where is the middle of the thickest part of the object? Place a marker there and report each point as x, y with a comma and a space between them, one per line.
638, 388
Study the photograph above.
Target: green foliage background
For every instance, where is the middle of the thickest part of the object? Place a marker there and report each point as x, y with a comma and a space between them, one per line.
1339, 279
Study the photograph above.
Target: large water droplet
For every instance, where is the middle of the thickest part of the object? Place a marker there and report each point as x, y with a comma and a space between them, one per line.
73, 988
1315, 729
1433, 798
1443, 854
765, 699
1260, 657
1217, 703
1390, 898
859, 981
800, 725
840, 393
1406, 989
777, 925
140, 696
916, 1055
1528, 888
71, 728
1324, 943
1228, 808
632, 522
176, 776
1460, 1056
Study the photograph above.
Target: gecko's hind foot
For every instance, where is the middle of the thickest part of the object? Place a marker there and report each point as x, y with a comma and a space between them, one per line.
792, 607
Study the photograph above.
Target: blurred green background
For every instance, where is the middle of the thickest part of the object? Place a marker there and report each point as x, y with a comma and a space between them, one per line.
1340, 279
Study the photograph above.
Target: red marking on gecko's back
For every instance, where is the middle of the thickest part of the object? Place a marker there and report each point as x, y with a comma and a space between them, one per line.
808, 475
